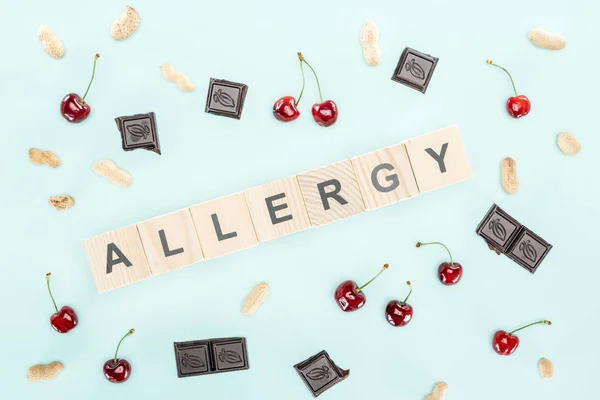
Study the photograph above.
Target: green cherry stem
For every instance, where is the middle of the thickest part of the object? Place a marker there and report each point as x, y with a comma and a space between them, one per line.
50, 291
419, 244
314, 73
409, 292
96, 57
303, 78
131, 331
545, 322
385, 266
508, 73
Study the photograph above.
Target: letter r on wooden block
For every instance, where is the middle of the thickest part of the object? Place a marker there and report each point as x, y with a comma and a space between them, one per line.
170, 241
224, 225
331, 193
385, 176
277, 209
116, 258
438, 159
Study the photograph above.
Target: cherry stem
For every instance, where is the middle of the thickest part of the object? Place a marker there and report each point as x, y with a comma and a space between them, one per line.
301, 57
409, 293
120, 341
508, 73
91, 80
545, 322
303, 80
419, 244
50, 291
385, 266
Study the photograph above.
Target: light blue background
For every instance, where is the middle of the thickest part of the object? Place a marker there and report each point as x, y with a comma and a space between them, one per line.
206, 156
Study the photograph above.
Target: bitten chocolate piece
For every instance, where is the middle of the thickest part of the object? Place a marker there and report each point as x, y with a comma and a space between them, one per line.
226, 98
210, 356
415, 69
528, 250
320, 373
498, 229
139, 132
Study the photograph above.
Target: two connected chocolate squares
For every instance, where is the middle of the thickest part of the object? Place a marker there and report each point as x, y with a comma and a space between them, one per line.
211, 356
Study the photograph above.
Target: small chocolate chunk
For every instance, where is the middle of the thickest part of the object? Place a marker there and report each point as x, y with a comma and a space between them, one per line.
528, 250
203, 357
415, 69
498, 229
139, 132
320, 373
226, 98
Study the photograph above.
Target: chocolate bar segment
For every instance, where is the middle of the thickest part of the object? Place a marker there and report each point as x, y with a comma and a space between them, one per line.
529, 250
498, 229
203, 357
415, 69
226, 98
139, 132
230, 354
320, 373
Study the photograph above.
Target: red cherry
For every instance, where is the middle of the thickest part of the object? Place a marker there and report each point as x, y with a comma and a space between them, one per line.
117, 370
505, 343
326, 113
350, 297
285, 109
399, 314
64, 320
519, 105
73, 107
449, 273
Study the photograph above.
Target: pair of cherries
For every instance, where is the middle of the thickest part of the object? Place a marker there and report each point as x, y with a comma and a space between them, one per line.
116, 370
324, 113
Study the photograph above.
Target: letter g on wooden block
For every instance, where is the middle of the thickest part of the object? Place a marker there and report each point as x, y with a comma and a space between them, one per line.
116, 258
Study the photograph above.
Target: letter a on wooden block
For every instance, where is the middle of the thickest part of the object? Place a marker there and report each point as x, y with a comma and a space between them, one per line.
224, 225
116, 258
438, 159
170, 241
277, 209
385, 176
331, 193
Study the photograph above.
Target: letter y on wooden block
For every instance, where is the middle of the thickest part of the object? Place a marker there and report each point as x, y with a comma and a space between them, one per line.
385, 176
331, 193
170, 241
438, 159
116, 258
224, 225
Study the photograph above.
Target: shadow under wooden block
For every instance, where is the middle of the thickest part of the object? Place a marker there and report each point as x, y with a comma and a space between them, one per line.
331, 193
385, 176
170, 241
224, 225
438, 159
116, 258
277, 209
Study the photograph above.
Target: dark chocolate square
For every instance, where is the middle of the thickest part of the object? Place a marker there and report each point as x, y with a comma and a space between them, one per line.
192, 358
226, 98
498, 229
139, 132
320, 373
415, 69
230, 354
529, 250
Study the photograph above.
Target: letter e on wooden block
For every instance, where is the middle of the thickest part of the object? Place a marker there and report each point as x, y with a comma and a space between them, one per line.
224, 225
170, 241
331, 193
116, 258
438, 159
277, 209
385, 176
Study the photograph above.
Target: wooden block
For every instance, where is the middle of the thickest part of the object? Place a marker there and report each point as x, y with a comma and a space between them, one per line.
277, 209
116, 258
438, 159
224, 225
170, 241
385, 176
331, 193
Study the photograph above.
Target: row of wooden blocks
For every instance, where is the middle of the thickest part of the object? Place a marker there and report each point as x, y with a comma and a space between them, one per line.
238, 221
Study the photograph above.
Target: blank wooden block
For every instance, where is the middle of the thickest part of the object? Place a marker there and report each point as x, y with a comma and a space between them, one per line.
385, 176
224, 225
116, 258
277, 209
331, 193
438, 159
170, 241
